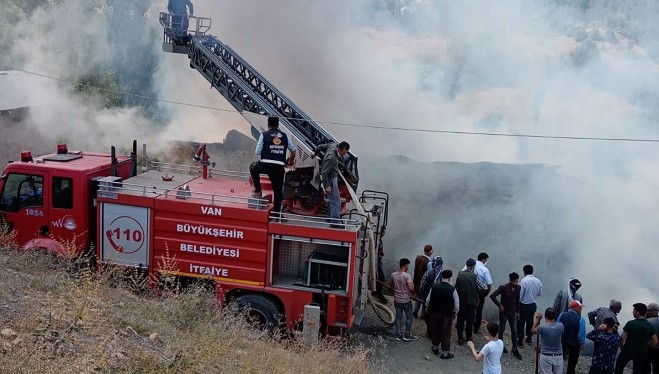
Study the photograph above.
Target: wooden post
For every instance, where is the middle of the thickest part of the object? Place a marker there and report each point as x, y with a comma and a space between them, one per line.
537, 353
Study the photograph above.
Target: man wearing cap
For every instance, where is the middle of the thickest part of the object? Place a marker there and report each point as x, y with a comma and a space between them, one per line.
465, 284
596, 317
637, 336
574, 336
565, 296
607, 342
530, 288
420, 267
653, 353
271, 147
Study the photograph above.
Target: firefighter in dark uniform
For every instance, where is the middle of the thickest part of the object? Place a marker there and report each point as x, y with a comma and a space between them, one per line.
271, 147
180, 20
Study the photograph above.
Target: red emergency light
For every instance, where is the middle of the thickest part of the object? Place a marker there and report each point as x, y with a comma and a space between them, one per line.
62, 149
26, 156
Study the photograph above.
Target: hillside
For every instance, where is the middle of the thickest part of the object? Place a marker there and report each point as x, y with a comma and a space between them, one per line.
55, 320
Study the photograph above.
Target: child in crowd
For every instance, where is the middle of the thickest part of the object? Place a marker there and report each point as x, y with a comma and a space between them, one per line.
491, 352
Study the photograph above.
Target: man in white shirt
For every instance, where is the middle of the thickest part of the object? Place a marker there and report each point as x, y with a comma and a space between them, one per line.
483, 275
530, 290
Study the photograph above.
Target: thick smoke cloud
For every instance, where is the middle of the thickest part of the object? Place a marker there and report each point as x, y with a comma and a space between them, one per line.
546, 67
566, 68
114, 44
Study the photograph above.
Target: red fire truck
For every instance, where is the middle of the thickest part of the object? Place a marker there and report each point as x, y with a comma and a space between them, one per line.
198, 222
195, 222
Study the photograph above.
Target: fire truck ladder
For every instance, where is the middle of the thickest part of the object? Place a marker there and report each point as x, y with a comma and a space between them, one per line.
246, 89
249, 92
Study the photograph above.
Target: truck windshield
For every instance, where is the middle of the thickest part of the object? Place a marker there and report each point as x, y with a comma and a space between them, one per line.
22, 191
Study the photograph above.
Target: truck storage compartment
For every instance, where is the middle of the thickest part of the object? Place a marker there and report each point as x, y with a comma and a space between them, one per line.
310, 263
329, 270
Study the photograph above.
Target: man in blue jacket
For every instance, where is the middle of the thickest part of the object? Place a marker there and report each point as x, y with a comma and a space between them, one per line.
574, 335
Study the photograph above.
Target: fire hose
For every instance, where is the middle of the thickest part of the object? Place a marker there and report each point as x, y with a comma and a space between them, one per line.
380, 309
383, 312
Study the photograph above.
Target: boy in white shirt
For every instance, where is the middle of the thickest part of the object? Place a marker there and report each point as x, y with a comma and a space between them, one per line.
491, 352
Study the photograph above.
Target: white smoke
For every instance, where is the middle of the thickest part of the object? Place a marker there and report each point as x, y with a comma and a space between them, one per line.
546, 68
511, 66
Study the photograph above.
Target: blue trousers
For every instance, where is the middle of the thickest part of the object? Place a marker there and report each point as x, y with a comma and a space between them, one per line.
334, 203
407, 309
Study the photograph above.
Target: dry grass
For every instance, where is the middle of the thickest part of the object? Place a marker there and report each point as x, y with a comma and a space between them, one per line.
57, 320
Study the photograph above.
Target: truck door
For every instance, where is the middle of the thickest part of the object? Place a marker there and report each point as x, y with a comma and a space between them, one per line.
22, 203
66, 215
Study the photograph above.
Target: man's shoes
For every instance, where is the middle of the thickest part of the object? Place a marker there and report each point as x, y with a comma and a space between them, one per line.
447, 356
505, 350
516, 354
461, 341
520, 344
408, 338
416, 314
257, 195
398, 338
529, 340
435, 349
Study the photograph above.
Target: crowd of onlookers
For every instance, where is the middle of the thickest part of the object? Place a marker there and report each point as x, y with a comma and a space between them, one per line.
430, 294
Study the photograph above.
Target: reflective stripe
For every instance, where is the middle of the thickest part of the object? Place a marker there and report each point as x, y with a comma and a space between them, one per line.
268, 161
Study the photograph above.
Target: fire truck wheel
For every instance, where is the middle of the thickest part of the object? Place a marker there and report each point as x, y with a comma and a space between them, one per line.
261, 311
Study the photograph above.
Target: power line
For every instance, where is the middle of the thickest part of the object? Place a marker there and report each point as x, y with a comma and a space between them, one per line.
349, 124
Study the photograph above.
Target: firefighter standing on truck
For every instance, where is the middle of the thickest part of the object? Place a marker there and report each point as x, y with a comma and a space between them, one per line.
271, 147
329, 175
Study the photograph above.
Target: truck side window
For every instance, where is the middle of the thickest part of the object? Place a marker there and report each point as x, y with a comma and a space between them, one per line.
22, 191
62, 193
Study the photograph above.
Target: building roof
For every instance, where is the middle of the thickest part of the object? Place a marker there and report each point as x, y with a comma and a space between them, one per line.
17, 90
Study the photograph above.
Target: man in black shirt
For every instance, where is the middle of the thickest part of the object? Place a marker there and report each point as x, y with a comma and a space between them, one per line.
508, 309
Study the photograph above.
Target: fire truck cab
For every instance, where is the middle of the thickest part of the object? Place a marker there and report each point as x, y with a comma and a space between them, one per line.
49, 200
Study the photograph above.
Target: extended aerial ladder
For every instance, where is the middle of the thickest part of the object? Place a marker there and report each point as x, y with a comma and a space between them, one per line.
253, 97
248, 91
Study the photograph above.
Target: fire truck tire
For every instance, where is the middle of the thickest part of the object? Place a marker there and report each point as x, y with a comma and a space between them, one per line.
261, 310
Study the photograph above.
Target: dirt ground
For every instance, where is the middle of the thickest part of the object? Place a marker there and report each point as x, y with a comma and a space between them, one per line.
416, 356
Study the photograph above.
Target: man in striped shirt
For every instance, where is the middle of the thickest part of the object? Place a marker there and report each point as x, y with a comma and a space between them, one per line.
596, 317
